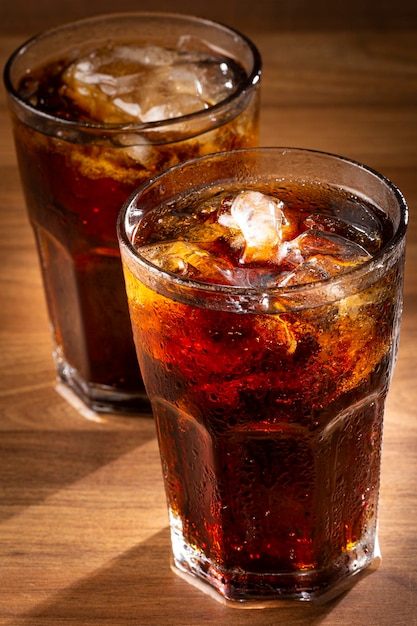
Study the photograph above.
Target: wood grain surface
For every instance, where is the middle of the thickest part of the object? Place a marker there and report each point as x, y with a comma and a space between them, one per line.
83, 524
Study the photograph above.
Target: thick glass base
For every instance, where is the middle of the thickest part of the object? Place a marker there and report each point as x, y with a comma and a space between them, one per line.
241, 589
100, 398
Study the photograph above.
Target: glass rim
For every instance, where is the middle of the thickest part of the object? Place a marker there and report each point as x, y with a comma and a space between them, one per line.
285, 292
251, 80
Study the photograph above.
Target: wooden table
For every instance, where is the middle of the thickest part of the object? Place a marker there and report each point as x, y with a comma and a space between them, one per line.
83, 526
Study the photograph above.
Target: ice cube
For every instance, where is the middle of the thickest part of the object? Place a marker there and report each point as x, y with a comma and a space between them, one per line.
151, 56
365, 231
147, 84
188, 260
318, 255
206, 233
313, 242
95, 82
175, 106
259, 218
306, 272
362, 217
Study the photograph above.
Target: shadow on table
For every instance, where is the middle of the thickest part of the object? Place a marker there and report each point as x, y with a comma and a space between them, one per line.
33, 467
139, 588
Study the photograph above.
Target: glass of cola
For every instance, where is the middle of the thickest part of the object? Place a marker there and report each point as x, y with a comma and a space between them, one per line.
98, 107
265, 291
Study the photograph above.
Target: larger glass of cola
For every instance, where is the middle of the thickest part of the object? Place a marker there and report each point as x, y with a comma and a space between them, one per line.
265, 291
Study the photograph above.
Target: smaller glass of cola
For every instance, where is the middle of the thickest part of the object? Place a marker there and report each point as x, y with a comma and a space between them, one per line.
98, 107
265, 291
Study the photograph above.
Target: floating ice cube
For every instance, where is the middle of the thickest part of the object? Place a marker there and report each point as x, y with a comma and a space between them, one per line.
306, 272
206, 233
319, 255
188, 259
313, 242
175, 106
366, 230
147, 84
152, 56
366, 222
259, 217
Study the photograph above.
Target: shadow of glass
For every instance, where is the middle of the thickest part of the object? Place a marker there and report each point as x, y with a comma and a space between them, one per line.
33, 466
140, 588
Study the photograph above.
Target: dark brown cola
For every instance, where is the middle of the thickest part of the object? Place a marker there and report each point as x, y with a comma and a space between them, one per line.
76, 179
269, 424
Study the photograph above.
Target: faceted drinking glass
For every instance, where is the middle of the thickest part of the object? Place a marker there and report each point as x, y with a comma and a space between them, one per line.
268, 378
98, 107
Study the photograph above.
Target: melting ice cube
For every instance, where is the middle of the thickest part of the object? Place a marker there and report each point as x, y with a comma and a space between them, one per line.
365, 230
319, 255
313, 242
259, 217
188, 259
147, 84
